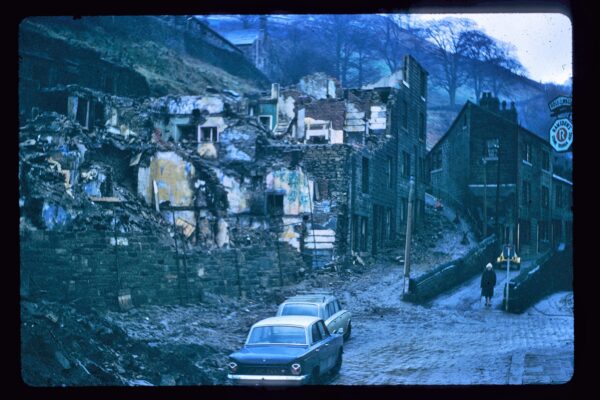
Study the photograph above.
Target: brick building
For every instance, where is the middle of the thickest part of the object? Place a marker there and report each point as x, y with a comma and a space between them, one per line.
496, 169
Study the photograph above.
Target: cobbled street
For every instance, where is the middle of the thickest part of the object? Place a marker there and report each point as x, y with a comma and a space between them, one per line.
454, 341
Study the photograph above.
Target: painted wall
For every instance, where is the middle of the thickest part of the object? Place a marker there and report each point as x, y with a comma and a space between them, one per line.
295, 186
174, 178
238, 194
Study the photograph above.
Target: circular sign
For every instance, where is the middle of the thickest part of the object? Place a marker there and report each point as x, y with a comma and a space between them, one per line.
561, 134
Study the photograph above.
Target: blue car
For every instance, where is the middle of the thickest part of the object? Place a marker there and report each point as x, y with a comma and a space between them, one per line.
288, 350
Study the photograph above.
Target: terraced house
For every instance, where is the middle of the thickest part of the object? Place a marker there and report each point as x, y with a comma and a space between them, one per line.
503, 175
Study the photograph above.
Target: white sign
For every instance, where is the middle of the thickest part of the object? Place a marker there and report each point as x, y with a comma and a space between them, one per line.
560, 101
561, 134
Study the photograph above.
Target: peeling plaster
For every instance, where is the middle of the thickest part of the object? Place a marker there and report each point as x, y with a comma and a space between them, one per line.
295, 185
174, 177
237, 195
222, 237
207, 150
55, 216
185, 104
233, 153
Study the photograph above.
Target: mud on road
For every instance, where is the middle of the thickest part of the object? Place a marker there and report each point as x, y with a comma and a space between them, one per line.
392, 342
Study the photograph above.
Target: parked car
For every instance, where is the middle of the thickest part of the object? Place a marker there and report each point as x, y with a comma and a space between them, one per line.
325, 306
290, 350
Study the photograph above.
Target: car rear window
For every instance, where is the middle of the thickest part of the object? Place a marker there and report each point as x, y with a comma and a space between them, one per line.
277, 334
300, 309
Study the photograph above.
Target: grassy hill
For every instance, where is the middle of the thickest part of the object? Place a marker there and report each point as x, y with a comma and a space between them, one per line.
173, 56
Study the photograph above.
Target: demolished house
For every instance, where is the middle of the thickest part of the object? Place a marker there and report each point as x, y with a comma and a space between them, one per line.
160, 199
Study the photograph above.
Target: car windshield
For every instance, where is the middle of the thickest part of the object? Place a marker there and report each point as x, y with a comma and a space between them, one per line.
300, 309
277, 334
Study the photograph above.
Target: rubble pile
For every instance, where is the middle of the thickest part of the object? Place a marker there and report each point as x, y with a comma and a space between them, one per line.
169, 345
443, 240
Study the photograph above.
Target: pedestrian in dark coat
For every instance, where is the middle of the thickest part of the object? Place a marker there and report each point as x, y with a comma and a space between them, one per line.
488, 281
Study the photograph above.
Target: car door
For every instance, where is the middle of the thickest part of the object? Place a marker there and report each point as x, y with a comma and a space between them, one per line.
331, 321
318, 346
343, 316
328, 346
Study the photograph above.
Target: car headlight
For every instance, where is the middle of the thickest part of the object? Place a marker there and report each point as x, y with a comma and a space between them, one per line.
232, 367
296, 369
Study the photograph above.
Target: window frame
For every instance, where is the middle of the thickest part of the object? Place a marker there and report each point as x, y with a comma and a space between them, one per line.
212, 129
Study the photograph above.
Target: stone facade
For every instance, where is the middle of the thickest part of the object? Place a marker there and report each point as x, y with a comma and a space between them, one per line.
486, 156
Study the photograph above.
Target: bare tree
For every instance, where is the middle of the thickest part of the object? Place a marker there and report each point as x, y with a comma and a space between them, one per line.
449, 53
337, 32
390, 46
503, 66
480, 51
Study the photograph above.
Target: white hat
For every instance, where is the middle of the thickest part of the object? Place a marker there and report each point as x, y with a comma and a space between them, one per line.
489, 265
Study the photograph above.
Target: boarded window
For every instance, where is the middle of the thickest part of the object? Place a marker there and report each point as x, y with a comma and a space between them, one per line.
491, 148
526, 192
545, 160
274, 204
545, 197
321, 189
559, 197
525, 232
527, 152
365, 175
188, 133
364, 223
209, 134
406, 164
544, 230
265, 121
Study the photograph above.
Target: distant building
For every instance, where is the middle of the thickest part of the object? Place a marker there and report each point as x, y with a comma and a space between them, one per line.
486, 159
254, 43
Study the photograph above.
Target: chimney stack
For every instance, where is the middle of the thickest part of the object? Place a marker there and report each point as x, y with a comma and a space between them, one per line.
275, 91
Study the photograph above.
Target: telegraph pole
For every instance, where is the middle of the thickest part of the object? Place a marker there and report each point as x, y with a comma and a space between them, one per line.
409, 217
508, 256
484, 197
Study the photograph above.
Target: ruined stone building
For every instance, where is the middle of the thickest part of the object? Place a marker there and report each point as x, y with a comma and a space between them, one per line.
486, 159
254, 43
164, 198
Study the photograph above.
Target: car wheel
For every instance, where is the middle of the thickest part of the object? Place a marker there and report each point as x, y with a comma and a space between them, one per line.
338, 364
348, 331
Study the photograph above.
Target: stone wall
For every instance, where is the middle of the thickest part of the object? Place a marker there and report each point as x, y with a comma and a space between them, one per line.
84, 267
551, 273
450, 274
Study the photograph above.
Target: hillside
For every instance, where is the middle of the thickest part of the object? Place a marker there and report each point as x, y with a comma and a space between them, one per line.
175, 55
307, 35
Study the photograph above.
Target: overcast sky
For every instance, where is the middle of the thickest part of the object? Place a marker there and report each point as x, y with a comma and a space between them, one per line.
543, 41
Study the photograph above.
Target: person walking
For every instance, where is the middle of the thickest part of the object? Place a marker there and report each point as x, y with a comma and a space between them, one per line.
488, 281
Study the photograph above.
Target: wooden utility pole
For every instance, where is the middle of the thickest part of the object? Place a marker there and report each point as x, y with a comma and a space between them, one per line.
484, 197
409, 218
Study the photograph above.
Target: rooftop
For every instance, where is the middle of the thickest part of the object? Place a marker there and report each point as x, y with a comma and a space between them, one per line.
309, 298
242, 36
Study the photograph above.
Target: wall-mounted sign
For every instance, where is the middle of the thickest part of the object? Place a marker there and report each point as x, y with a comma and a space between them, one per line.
561, 132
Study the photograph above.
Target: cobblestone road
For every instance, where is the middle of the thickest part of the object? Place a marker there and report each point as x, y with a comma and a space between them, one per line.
454, 340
